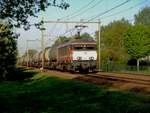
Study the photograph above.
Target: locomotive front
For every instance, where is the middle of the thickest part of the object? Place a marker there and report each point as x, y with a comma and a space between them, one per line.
78, 55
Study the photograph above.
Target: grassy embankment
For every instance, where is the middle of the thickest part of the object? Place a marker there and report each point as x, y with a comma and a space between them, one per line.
38, 93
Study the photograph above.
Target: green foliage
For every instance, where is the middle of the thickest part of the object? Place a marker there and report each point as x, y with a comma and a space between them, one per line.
137, 41
61, 40
86, 35
45, 94
8, 49
18, 11
83, 36
143, 17
112, 43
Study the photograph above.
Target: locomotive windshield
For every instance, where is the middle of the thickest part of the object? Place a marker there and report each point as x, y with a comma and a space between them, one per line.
84, 47
90, 48
78, 48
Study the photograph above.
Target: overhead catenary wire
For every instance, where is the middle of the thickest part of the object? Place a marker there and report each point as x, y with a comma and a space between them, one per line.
67, 28
77, 11
84, 11
119, 5
99, 15
68, 31
53, 27
112, 9
69, 22
102, 13
71, 30
124, 10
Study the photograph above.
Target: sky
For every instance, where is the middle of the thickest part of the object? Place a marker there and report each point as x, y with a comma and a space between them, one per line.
79, 10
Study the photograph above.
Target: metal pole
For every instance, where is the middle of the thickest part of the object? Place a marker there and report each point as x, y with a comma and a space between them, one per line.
99, 47
42, 42
27, 55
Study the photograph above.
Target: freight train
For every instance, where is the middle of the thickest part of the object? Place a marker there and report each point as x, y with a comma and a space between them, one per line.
78, 55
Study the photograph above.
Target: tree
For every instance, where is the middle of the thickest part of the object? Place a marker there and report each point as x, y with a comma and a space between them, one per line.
61, 40
112, 46
137, 42
17, 12
8, 49
143, 17
83, 36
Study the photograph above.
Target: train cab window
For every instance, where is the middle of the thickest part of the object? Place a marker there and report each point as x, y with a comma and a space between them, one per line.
78, 48
90, 48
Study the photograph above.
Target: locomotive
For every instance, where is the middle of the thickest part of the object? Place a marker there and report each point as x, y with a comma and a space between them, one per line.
78, 55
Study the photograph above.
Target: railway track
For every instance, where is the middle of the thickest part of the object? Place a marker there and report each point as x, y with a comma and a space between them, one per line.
112, 77
119, 77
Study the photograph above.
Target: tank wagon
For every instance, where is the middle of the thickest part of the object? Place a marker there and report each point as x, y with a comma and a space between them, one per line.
47, 57
78, 55
35, 60
24, 60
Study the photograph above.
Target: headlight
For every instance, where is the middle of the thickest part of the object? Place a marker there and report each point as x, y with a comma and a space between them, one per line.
91, 58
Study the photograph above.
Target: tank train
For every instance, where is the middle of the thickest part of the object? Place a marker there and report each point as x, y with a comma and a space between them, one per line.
78, 55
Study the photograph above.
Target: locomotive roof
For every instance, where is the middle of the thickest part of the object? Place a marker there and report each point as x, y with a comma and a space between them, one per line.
79, 41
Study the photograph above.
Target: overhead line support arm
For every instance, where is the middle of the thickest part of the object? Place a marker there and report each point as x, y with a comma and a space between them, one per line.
51, 21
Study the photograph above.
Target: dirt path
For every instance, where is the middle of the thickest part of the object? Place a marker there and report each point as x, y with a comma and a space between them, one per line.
127, 75
65, 75
112, 84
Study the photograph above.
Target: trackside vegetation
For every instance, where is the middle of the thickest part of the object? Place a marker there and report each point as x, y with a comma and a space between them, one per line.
125, 44
15, 14
8, 49
33, 92
137, 42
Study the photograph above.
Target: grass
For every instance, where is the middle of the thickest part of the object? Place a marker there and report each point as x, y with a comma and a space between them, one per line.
38, 93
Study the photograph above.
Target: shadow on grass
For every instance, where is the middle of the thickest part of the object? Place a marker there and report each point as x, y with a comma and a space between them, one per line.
54, 95
20, 74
